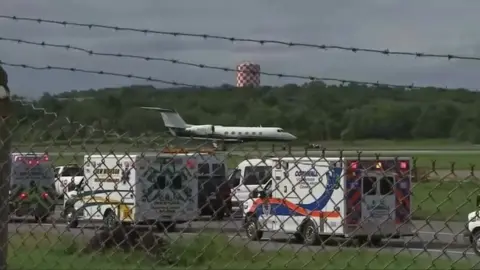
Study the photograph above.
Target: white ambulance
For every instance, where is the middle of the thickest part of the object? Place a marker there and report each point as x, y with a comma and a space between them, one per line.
472, 234
249, 175
153, 188
317, 198
32, 186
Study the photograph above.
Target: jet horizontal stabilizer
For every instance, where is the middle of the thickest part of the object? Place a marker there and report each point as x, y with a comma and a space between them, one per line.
158, 109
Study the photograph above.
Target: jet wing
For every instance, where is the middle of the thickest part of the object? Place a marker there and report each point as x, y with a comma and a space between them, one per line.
211, 139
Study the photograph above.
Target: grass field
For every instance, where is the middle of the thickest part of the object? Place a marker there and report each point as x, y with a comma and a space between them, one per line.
53, 251
444, 201
427, 162
441, 161
143, 142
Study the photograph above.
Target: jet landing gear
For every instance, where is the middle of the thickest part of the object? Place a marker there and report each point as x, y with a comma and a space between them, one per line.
223, 146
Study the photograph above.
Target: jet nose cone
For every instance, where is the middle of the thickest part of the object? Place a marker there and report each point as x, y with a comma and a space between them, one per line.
293, 137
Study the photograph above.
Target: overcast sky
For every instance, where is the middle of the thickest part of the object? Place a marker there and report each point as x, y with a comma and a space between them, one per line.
438, 26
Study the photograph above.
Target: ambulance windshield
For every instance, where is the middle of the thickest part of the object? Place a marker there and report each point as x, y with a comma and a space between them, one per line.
257, 175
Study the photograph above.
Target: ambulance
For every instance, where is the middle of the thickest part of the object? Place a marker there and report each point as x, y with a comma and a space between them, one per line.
249, 175
314, 199
32, 186
151, 188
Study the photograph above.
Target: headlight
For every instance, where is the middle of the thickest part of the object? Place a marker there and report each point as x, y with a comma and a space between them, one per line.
474, 217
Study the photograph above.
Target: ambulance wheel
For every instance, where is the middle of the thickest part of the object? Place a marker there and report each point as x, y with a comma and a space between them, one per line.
361, 241
219, 214
375, 241
310, 234
109, 219
298, 237
251, 229
71, 220
476, 242
72, 224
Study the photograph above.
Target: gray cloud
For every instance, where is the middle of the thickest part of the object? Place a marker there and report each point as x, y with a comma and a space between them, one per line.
427, 26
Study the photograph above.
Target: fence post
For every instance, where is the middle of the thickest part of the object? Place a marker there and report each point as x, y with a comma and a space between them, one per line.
5, 163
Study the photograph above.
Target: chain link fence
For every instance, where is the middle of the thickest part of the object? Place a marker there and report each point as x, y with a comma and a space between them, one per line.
154, 203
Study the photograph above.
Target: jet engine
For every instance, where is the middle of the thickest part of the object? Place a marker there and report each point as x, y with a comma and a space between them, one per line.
204, 130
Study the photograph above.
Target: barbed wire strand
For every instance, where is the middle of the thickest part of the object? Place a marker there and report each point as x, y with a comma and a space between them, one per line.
173, 61
237, 39
175, 83
98, 72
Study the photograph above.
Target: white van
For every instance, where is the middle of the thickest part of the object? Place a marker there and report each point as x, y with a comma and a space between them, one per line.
151, 188
66, 178
316, 198
249, 175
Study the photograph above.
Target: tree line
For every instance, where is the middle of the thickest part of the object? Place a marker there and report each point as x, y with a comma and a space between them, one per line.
313, 112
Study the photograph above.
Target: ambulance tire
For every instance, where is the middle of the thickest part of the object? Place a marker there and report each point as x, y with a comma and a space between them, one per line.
110, 220
298, 237
72, 222
310, 234
219, 214
375, 241
476, 242
251, 229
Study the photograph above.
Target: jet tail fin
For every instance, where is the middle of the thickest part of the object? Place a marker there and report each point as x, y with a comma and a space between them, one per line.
171, 118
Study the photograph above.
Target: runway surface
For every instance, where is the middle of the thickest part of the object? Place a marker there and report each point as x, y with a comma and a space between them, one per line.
437, 239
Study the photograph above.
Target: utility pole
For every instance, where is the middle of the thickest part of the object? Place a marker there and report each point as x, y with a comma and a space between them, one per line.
5, 164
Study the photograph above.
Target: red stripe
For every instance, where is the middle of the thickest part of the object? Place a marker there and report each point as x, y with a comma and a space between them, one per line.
295, 208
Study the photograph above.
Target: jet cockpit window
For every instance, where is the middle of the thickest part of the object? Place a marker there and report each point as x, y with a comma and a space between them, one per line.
280, 130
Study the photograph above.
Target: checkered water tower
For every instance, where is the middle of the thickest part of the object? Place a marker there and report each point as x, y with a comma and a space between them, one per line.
248, 75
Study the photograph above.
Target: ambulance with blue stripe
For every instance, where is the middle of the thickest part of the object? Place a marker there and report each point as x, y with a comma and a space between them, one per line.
364, 200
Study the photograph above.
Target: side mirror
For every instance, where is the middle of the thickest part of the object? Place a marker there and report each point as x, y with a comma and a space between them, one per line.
262, 194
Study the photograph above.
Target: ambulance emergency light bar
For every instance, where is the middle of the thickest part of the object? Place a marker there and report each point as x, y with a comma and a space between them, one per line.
403, 165
32, 159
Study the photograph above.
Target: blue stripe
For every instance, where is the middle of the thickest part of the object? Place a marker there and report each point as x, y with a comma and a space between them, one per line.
332, 177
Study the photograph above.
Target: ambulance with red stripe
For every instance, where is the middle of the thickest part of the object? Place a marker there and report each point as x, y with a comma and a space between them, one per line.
317, 198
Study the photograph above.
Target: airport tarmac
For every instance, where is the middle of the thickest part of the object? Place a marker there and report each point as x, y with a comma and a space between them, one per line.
435, 238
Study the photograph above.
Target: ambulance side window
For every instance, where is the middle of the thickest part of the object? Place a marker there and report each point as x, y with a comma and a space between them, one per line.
386, 185
161, 182
257, 175
369, 185
218, 169
177, 182
204, 169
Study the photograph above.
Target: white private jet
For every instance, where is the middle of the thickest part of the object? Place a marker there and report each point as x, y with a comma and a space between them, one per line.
179, 128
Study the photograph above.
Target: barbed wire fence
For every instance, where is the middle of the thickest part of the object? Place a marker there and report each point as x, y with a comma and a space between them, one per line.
295, 208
